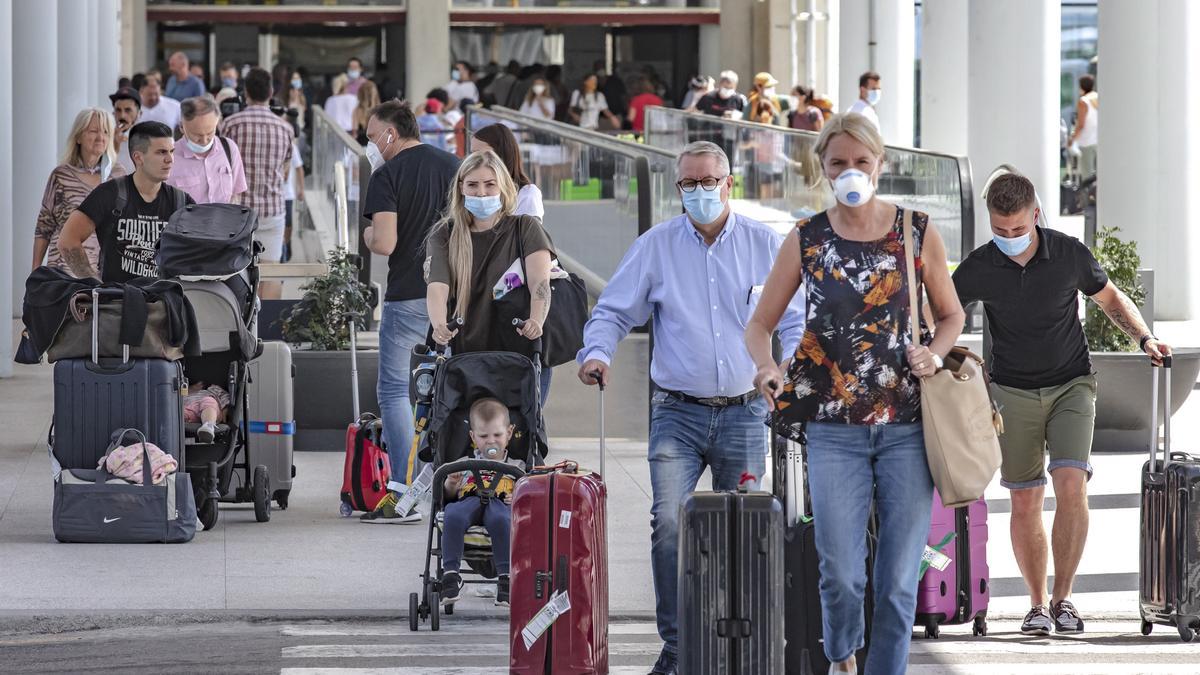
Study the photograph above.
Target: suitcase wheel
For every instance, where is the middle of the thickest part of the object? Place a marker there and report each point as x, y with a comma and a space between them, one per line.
414, 617
1146, 627
932, 631
980, 627
345, 510
1186, 633
281, 498
448, 609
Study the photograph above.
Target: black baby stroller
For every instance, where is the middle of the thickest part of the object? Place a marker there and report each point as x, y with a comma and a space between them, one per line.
461, 380
210, 250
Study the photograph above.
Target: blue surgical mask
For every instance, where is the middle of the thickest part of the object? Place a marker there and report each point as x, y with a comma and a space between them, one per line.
704, 206
230, 82
353, 73
455, 75
297, 84
1013, 246
482, 207
873, 96
197, 148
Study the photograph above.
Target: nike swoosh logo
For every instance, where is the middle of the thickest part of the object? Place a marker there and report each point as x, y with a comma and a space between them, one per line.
111, 520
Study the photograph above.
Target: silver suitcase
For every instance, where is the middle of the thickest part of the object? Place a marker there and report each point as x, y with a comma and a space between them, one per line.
271, 418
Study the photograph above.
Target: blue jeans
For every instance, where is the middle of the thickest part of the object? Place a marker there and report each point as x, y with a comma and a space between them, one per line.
460, 515
403, 325
684, 439
848, 465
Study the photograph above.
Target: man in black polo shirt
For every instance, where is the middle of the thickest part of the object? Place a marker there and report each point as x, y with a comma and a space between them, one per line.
1029, 279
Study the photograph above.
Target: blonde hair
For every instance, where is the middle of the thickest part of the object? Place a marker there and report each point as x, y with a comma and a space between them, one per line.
458, 219
855, 126
488, 410
72, 155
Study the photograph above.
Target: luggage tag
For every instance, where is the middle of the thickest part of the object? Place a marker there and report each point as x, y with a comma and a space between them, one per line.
559, 604
933, 556
418, 493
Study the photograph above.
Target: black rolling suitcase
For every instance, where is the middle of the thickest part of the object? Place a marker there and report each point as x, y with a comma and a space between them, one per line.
804, 651
1169, 557
730, 581
94, 397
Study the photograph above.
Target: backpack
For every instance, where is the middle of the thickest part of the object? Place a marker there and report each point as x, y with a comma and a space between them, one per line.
123, 196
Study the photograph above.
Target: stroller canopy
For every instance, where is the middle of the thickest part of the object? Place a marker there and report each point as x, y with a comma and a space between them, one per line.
219, 316
207, 241
466, 378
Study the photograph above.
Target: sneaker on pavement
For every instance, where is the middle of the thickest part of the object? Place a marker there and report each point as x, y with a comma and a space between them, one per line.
667, 663
452, 583
206, 433
385, 513
1066, 617
502, 591
1037, 621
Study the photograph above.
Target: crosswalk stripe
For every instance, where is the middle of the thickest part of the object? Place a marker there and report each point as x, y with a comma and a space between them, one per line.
474, 629
369, 651
1025, 668
1045, 647
435, 670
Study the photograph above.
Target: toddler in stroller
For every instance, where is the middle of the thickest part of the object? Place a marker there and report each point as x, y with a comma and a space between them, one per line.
491, 431
206, 405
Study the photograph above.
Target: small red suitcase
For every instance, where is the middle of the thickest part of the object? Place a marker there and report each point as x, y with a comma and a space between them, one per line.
367, 471
560, 558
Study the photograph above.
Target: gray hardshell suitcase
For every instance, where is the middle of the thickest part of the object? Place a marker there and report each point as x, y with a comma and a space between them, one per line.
94, 397
272, 418
731, 580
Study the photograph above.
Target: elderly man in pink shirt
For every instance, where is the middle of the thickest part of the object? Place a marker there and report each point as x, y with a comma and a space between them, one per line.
207, 167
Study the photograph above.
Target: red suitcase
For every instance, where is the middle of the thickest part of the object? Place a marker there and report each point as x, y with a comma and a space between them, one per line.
560, 561
367, 471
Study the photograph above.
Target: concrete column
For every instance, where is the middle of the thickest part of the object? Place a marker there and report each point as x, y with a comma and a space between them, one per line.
944, 58
35, 136
854, 34
108, 49
8, 256
737, 40
1149, 156
1013, 73
133, 36
75, 71
427, 44
895, 60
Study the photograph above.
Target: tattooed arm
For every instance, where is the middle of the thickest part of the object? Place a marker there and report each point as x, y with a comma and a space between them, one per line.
75, 231
1126, 316
537, 265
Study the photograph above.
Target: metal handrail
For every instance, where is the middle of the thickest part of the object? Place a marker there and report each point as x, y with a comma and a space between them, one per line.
344, 136
341, 209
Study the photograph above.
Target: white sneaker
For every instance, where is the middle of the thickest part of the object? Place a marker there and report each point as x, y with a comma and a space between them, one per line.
207, 432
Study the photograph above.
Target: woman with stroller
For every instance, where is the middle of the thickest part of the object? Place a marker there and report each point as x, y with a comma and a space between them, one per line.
853, 385
472, 258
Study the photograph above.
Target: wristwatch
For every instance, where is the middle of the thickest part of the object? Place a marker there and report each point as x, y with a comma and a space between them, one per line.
1145, 338
937, 362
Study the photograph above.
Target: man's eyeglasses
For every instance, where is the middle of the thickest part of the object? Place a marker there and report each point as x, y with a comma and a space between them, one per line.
709, 184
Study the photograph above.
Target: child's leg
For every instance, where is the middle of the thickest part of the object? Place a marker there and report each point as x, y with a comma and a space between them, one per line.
458, 517
498, 521
210, 410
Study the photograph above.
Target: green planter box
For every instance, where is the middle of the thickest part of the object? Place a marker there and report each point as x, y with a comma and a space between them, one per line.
570, 191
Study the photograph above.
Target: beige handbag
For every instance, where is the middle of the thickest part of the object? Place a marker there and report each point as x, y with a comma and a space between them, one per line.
960, 420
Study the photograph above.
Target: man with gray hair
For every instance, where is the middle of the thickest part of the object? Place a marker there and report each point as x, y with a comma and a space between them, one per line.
700, 276
209, 174
182, 84
725, 101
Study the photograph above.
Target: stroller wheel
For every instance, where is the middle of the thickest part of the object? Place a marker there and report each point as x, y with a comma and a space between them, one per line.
435, 621
262, 494
208, 513
448, 609
281, 498
414, 617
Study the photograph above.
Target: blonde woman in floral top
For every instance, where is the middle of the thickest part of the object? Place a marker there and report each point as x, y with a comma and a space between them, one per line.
853, 388
89, 159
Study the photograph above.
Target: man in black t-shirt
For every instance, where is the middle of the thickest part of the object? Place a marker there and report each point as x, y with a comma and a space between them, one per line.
406, 196
127, 214
1029, 279
725, 101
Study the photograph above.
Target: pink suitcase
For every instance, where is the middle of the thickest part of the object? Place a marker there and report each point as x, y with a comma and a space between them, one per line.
959, 593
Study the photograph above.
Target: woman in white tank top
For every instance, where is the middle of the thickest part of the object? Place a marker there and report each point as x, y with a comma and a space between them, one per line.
1087, 126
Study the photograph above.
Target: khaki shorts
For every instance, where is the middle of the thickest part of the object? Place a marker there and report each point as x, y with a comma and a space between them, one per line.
1055, 420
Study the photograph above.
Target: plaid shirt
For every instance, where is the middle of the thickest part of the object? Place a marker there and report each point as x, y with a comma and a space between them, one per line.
266, 144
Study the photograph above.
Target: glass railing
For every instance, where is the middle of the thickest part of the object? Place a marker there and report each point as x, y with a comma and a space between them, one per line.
599, 192
567, 4
778, 179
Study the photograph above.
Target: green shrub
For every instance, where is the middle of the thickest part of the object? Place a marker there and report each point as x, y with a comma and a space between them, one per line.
319, 318
1120, 260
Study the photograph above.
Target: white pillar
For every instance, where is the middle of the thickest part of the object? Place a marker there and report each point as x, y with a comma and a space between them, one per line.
854, 34
1013, 95
737, 42
74, 64
35, 133
428, 46
1149, 156
8, 308
895, 60
107, 32
944, 59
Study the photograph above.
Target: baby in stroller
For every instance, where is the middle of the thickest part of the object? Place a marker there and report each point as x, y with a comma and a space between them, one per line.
491, 431
207, 405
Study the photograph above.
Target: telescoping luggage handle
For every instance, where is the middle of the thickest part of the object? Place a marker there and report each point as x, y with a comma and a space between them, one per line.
603, 451
1166, 366
96, 293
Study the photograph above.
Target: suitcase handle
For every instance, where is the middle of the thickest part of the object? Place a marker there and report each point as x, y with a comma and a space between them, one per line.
1154, 396
96, 293
733, 628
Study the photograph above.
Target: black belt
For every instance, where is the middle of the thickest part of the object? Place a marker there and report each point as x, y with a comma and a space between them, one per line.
713, 401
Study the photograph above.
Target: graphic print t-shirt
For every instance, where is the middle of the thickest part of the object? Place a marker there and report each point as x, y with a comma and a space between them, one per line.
128, 240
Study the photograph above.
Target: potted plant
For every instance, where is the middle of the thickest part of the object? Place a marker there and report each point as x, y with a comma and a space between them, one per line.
1122, 371
317, 327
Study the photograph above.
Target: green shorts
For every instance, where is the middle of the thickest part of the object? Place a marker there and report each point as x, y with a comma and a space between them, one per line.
1055, 420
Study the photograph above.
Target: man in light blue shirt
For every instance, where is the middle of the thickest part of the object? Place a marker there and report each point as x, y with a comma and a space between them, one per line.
182, 84
700, 276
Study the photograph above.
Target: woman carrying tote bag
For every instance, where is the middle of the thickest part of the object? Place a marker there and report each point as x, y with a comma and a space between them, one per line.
854, 387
